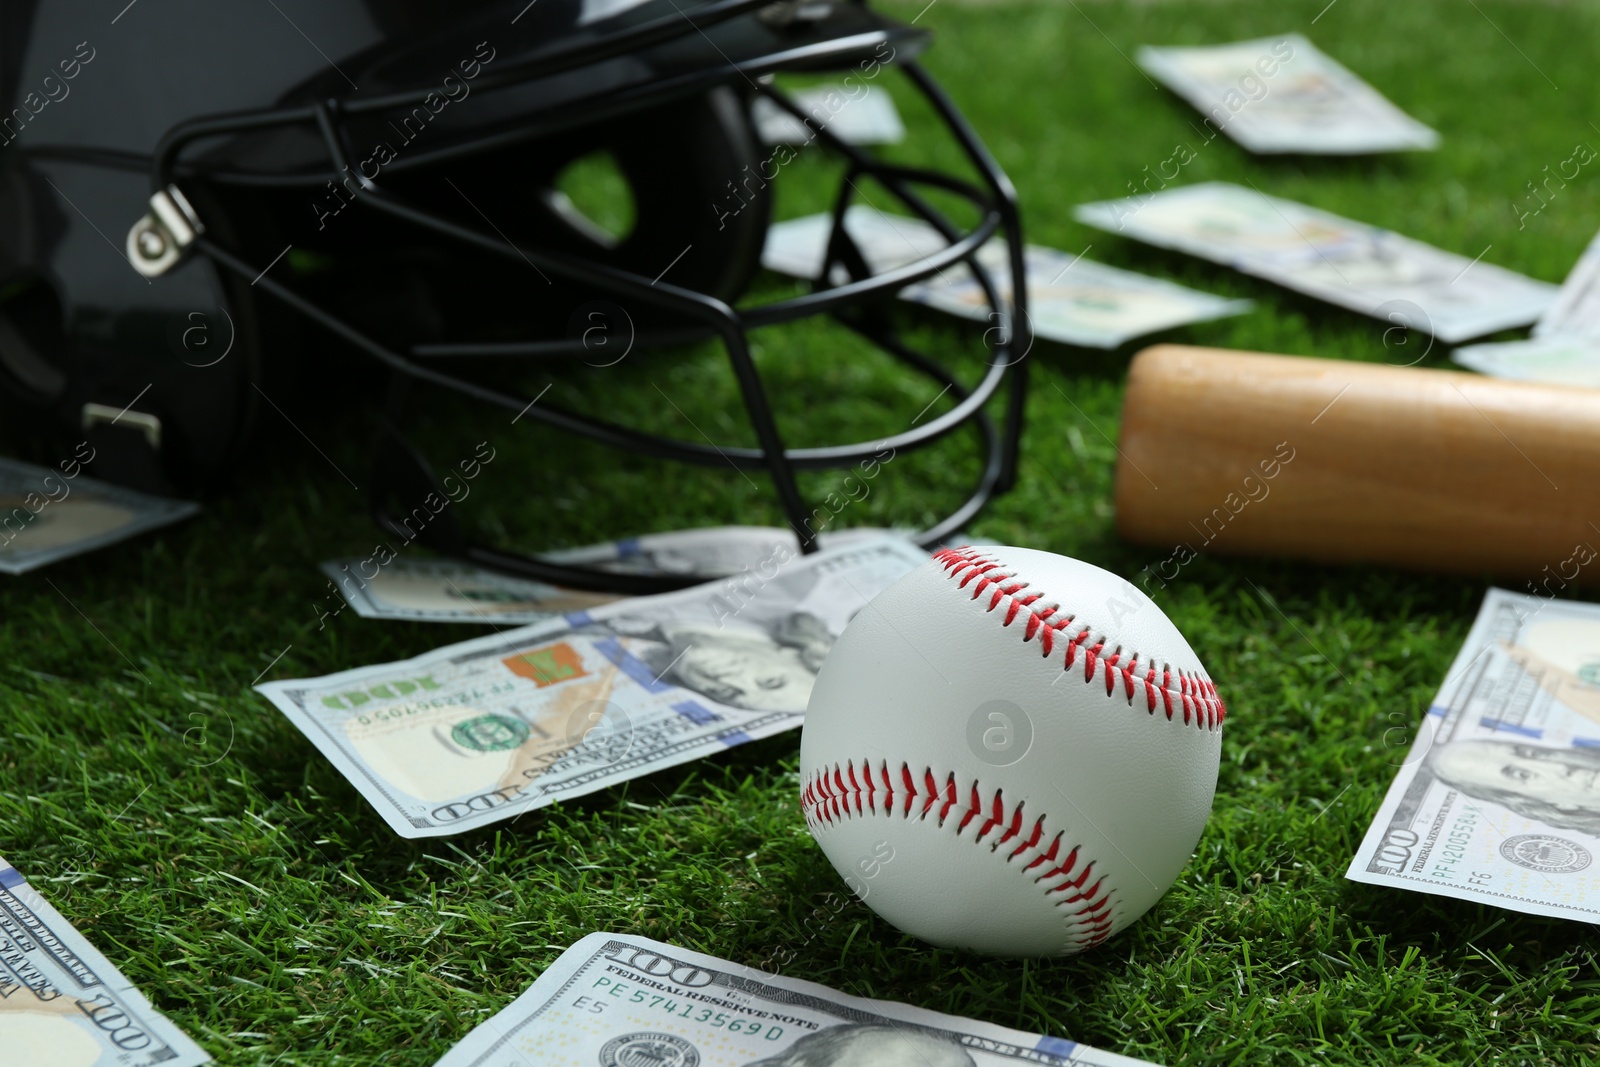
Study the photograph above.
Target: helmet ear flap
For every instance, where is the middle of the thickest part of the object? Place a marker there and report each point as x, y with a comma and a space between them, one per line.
408, 501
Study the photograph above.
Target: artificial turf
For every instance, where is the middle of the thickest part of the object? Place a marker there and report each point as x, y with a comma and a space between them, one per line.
199, 841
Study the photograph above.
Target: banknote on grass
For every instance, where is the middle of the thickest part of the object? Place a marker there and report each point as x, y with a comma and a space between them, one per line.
865, 115
1283, 94
1497, 798
1576, 311
62, 1004
487, 729
1553, 360
1565, 346
708, 551
49, 515
422, 589
1071, 300
1364, 268
618, 1000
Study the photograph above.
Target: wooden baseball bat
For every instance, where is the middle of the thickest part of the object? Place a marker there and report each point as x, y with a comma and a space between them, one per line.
1246, 453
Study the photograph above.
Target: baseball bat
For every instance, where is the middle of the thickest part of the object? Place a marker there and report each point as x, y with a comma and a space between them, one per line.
1246, 453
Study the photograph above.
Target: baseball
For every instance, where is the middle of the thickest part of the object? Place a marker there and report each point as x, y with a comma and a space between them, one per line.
1010, 752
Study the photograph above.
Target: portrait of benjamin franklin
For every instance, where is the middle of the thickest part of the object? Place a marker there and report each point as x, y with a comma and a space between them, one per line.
756, 667
870, 1045
1560, 787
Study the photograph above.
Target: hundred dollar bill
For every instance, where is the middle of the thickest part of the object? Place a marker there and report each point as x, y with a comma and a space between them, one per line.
48, 515
1351, 264
616, 1000
62, 1004
866, 117
484, 730
709, 551
1498, 797
441, 590
1576, 311
1557, 360
1071, 300
1282, 94
1565, 346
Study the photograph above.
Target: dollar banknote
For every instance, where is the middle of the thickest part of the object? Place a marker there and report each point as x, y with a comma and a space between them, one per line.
1282, 94
417, 589
1554, 360
1576, 310
442, 590
707, 551
49, 515
1497, 795
1071, 300
616, 1000
1565, 346
484, 730
861, 115
62, 1004
1377, 272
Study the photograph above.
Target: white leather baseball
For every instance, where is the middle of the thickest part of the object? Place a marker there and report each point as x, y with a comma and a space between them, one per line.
1010, 752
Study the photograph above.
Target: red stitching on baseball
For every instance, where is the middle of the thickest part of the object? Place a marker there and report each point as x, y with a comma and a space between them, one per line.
1196, 697
833, 795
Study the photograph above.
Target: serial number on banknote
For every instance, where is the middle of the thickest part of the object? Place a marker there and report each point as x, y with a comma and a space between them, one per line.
417, 707
668, 1005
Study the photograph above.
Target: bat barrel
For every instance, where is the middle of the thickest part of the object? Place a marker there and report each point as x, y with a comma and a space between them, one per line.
1247, 453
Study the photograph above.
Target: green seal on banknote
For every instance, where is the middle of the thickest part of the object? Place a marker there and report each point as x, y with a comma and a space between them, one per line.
490, 733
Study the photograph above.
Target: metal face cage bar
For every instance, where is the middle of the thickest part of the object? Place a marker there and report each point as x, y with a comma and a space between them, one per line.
408, 473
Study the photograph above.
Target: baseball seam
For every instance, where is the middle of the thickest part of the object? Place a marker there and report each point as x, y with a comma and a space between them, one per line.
834, 795
1190, 690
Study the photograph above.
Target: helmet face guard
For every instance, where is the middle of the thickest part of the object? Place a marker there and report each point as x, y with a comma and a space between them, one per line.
123, 357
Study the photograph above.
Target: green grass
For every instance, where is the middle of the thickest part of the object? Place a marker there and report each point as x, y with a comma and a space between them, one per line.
201, 843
